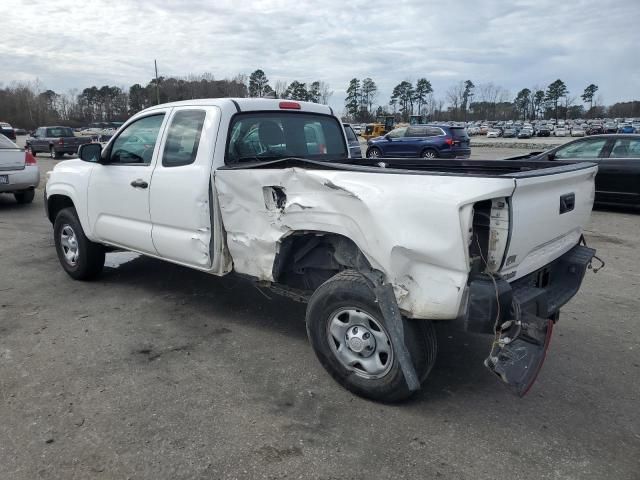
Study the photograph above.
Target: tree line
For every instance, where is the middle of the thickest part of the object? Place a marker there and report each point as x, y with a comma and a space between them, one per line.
464, 101
29, 104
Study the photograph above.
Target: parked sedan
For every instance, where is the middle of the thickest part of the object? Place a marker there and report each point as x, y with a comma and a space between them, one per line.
577, 132
19, 173
543, 131
494, 133
626, 128
510, 132
618, 159
427, 141
560, 131
8, 131
595, 129
525, 133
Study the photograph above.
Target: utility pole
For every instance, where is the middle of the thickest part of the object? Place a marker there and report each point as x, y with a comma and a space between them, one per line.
157, 84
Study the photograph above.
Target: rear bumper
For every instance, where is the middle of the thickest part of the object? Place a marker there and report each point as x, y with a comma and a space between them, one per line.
521, 316
66, 148
19, 180
541, 293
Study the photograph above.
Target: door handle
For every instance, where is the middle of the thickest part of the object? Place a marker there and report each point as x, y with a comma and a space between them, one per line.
139, 183
567, 202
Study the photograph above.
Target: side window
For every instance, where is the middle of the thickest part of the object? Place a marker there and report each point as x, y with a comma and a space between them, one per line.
135, 143
183, 138
585, 149
416, 132
433, 132
398, 132
351, 136
626, 148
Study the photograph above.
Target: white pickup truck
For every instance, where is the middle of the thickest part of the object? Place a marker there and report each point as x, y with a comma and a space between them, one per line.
380, 251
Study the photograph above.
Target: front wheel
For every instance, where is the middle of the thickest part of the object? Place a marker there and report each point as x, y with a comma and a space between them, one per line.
81, 258
374, 152
350, 338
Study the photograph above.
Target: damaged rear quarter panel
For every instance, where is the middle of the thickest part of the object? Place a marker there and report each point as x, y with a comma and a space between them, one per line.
411, 227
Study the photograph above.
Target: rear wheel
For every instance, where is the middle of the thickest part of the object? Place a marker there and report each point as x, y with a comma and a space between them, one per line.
25, 196
81, 258
374, 152
350, 338
54, 154
429, 153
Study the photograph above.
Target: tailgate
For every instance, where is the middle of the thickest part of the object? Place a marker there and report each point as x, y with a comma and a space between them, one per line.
548, 214
11, 159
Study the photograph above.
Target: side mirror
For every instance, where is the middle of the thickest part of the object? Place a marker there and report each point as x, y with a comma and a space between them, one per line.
551, 156
90, 152
387, 137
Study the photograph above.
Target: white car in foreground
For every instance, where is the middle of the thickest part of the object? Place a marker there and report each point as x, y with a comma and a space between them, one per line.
380, 250
19, 173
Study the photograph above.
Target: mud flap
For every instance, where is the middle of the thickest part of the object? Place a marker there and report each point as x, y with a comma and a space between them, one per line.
519, 351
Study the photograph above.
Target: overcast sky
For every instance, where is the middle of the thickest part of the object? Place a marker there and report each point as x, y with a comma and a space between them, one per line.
70, 44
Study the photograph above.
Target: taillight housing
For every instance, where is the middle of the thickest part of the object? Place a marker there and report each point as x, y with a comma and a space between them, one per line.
29, 159
449, 141
489, 234
290, 105
61, 141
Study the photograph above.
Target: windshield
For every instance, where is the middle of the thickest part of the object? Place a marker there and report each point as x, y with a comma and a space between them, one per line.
274, 135
5, 143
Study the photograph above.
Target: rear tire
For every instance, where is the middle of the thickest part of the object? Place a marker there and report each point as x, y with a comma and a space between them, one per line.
25, 196
81, 258
54, 154
429, 153
345, 306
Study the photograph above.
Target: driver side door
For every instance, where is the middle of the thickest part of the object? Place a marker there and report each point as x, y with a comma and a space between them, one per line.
118, 193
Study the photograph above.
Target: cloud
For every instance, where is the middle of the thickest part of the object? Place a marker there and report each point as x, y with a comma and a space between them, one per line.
512, 44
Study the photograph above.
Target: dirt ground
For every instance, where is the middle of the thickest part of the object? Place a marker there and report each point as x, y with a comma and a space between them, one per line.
154, 371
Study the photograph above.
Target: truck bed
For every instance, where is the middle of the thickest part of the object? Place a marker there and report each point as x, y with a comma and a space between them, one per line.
479, 168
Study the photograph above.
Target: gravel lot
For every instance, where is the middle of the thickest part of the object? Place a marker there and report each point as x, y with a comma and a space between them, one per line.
155, 371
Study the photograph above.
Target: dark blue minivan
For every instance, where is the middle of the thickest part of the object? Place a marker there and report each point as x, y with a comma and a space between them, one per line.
427, 141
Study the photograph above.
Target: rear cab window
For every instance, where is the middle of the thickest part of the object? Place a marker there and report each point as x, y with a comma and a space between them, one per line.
59, 132
263, 136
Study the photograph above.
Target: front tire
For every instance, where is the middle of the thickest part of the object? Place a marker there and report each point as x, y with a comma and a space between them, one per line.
81, 258
374, 152
25, 196
349, 336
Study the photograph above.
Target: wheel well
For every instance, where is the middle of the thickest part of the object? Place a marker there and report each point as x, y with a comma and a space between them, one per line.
55, 203
306, 260
433, 149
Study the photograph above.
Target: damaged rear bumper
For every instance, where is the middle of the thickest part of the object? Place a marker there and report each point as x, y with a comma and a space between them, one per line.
521, 314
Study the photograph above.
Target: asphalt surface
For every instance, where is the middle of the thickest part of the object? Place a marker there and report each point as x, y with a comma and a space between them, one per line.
159, 372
